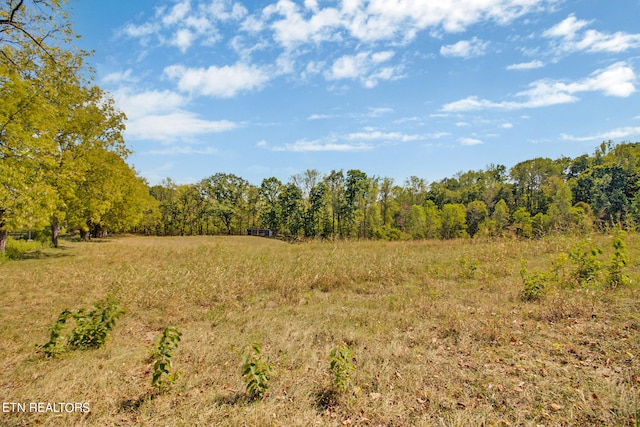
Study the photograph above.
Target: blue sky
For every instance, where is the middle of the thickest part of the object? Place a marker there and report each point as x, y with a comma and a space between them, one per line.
392, 87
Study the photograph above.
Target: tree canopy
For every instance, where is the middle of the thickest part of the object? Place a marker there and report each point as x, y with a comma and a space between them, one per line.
60, 135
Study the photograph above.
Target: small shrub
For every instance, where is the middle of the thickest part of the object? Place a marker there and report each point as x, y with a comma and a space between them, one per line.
467, 268
93, 327
90, 331
17, 249
535, 284
54, 346
166, 344
341, 365
256, 371
615, 276
587, 264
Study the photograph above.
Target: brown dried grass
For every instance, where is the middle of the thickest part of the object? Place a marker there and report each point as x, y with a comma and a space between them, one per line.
439, 334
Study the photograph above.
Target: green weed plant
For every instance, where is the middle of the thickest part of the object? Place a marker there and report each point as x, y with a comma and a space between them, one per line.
341, 365
620, 259
536, 283
166, 345
256, 371
91, 328
585, 259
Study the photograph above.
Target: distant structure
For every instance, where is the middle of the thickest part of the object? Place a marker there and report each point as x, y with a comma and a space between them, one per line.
261, 232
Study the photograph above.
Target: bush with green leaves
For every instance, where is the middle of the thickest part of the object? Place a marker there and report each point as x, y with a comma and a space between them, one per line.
54, 346
585, 257
91, 328
341, 365
166, 344
615, 275
535, 284
19, 248
468, 268
256, 371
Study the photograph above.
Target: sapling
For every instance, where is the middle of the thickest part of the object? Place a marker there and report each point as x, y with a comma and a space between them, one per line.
90, 328
341, 365
166, 344
619, 260
256, 371
54, 346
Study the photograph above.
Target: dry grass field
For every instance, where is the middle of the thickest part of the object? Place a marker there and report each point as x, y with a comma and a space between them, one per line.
438, 332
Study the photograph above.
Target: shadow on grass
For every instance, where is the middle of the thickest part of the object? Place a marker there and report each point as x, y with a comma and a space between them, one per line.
236, 399
326, 399
40, 254
133, 405
101, 240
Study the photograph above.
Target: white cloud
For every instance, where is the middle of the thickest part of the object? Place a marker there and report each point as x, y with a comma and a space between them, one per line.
378, 20
615, 134
572, 38
350, 66
119, 77
183, 39
372, 135
526, 65
160, 115
507, 126
141, 31
465, 48
252, 25
179, 125
364, 67
317, 145
183, 149
319, 116
187, 22
140, 104
379, 111
225, 10
382, 56
567, 29
224, 82
470, 141
615, 80
412, 119
177, 13
311, 4
294, 29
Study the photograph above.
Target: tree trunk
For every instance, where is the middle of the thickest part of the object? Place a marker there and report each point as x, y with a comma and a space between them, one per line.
4, 235
55, 231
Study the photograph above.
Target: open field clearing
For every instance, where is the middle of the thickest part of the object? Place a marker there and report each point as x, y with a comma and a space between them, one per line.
438, 333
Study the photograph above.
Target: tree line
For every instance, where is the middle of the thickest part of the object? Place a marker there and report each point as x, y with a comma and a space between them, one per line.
531, 199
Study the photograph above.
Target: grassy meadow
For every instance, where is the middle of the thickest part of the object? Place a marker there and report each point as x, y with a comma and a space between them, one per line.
437, 329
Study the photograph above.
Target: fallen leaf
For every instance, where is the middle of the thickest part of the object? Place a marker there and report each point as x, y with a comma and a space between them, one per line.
555, 407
